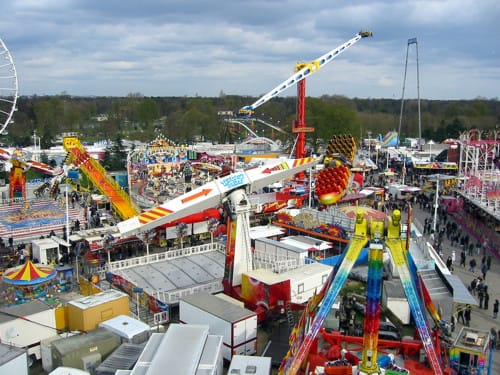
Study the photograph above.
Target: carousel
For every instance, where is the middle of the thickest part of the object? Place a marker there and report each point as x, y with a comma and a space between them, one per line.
29, 281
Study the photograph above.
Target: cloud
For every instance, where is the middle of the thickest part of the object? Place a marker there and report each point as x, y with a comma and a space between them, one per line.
90, 47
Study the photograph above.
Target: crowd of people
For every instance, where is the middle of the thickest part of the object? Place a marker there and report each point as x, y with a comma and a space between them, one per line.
475, 258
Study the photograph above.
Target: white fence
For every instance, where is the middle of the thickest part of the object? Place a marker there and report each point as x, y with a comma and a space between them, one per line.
161, 257
174, 296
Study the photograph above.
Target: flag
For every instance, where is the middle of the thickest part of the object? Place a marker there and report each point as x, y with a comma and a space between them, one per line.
412, 41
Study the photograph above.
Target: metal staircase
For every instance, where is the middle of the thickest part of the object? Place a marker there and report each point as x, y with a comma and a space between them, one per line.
289, 316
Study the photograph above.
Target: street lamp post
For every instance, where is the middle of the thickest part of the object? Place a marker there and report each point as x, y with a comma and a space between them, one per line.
434, 224
137, 291
369, 144
129, 164
310, 185
67, 210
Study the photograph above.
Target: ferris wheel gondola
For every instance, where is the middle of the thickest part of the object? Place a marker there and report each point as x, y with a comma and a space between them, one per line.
8, 87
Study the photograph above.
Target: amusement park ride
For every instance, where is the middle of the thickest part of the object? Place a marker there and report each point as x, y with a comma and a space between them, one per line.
8, 87
232, 193
302, 71
20, 165
78, 158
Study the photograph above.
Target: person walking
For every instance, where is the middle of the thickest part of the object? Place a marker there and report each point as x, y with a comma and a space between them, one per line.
472, 264
493, 336
467, 315
486, 300
460, 315
480, 295
463, 258
495, 309
484, 269
449, 262
473, 286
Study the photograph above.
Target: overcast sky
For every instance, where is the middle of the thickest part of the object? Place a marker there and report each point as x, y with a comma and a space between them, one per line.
247, 47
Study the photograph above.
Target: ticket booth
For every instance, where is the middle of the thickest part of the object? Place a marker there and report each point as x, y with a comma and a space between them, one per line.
65, 277
45, 250
469, 353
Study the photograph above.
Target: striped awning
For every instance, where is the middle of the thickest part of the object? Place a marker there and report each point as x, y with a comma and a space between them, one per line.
28, 274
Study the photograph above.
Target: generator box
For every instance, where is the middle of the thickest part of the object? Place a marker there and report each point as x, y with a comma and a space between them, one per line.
85, 351
86, 313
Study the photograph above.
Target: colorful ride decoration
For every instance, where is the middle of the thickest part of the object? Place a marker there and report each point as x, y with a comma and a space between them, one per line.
333, 181
17, 175
342, 146
145, 299
28, 274
331, 184
27, 282
306, 221
20, 163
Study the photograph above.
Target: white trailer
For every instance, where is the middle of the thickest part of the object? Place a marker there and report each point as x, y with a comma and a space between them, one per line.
266, 248
237, 325
184, 349
304, 280
129, 329
68, 371
402, 192
26, 325
307, 243
244, 364
13, 360
46, 250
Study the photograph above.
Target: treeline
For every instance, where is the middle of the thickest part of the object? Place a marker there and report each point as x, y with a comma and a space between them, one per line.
187, 119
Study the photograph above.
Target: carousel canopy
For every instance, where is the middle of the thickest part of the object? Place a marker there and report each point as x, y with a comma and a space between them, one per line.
28, 274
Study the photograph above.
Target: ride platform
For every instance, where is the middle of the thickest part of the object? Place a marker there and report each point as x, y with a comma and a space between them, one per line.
28, 220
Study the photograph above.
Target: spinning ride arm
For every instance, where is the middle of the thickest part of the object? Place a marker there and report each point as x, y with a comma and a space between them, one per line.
213, 193
304, 71
397, 249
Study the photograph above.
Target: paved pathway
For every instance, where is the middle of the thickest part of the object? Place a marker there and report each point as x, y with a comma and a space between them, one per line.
480, 319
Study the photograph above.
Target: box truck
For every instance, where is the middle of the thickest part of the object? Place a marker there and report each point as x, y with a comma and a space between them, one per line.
237, 325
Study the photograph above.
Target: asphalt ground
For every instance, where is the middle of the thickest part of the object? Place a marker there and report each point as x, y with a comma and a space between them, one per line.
481, 319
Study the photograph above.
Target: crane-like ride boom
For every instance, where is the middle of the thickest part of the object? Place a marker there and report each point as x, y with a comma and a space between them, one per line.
303, 70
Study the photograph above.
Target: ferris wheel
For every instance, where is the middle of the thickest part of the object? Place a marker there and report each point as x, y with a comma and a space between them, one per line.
8, 87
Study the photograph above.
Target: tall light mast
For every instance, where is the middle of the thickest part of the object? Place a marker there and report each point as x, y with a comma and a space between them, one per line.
410, 42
